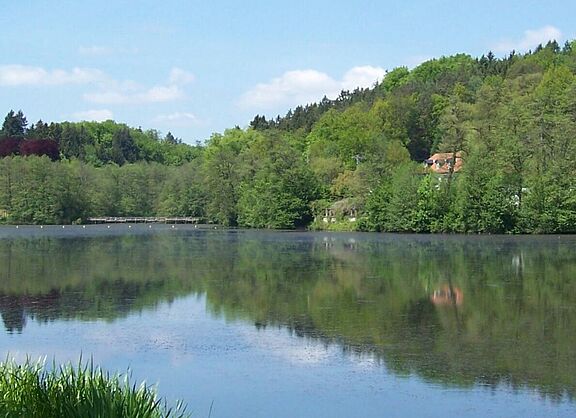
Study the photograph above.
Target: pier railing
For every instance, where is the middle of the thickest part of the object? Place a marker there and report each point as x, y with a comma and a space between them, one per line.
142, 219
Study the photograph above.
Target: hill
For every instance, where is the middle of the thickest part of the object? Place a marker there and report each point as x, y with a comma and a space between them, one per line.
360, 161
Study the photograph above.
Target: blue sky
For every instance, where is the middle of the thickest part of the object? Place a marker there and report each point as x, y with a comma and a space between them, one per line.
197, 67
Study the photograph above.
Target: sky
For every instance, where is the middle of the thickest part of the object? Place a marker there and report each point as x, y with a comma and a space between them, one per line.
198, 67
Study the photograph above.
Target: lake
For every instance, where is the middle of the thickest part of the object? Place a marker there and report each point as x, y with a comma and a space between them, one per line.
302, 324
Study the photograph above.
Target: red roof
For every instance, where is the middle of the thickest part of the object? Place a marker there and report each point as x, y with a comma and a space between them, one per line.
442, 161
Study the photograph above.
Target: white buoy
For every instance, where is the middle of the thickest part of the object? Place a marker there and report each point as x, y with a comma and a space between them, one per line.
41, 226
16, 226
149, 226
129, 226
108, 226
63, 226
172, 226
83, 226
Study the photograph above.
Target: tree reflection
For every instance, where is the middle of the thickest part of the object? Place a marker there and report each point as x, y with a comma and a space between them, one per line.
12, 315
455, 310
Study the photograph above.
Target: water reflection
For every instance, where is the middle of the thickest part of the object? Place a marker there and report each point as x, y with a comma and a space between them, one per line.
12, 314
453, 310
447, 294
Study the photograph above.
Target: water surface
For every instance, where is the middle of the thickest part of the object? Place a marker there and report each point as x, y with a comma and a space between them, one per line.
286, 324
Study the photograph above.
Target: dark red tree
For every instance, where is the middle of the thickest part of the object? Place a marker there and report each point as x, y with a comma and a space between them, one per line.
9, 146
39, 147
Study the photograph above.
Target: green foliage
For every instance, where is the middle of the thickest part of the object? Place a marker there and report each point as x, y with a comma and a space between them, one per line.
74, 140
32, 390
34, 191
486, 203
277, 186
183, 193
549, 203
343, 135
223, 175
394, 79
425, 214
446, 71
265, 203
14, 125
400, 213
99, 143
377, 203
513, 118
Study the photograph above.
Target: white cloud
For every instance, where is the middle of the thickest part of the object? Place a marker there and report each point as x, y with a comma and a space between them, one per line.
415, 60
97, 115
156, 94
180, 77
307, 86
128, 92
295, 351
178, 119
530, 40
22, 75
160, 94
106, 89
300, 86
364, 76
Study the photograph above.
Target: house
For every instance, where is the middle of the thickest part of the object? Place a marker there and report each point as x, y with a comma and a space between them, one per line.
441, 162
342, 209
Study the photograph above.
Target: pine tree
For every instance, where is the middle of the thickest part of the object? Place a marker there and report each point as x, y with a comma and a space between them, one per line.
170, 139
14, 125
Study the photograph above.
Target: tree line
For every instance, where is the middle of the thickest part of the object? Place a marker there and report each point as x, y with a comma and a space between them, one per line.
96, 143
513, 120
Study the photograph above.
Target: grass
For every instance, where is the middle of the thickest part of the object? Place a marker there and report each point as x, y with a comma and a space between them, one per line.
339, 226
32, 390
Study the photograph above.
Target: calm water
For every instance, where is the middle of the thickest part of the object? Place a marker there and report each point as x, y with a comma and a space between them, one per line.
297, 324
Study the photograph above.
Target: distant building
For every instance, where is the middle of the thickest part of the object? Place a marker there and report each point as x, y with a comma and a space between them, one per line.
342, 209
442, 162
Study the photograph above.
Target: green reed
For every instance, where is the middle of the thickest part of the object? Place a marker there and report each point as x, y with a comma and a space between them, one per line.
32, 390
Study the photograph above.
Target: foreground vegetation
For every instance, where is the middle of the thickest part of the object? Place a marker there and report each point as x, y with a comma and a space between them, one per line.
30, 390
513, 119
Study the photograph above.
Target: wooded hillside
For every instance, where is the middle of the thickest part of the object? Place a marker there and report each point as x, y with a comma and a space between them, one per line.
357, 161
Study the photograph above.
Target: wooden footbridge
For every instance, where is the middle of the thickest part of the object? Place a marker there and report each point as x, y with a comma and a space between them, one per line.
145, 220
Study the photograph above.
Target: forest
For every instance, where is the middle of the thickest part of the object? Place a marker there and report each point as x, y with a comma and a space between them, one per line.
356, 162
